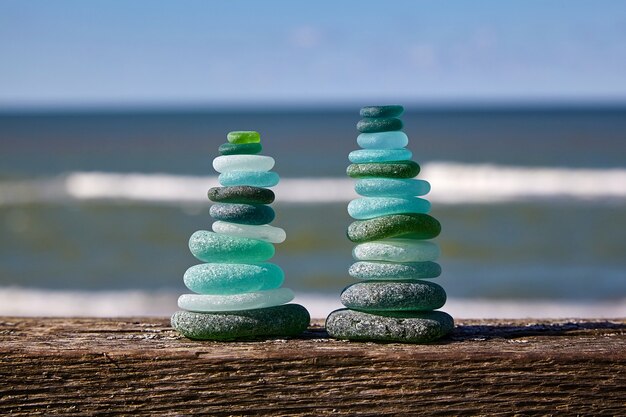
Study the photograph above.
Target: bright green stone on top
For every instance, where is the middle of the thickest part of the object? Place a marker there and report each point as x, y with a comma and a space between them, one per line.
244, 137
240, 148
398, 169
382, 111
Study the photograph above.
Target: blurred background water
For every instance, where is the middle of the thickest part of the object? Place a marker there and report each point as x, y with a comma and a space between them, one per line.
100, 190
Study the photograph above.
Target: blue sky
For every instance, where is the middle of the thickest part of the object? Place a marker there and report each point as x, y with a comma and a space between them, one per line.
69, 53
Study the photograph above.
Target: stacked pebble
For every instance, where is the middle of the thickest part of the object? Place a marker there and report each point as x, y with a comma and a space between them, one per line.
238, 295
393, 302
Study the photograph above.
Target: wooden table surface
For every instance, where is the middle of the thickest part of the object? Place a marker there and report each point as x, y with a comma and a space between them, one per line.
121, 366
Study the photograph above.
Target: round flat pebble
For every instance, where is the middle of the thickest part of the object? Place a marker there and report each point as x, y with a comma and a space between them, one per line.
244, 137
393, 296
370, 207
405, 327
394, 270
228, 279
240, 148
252, 178
417, 226
379, 124
383, 140
391, 187
213, 247
263, 232
242, 213
280, 321
244, 301
397, 250
243, 194
363, 156
397, 169
228, 163
382, 111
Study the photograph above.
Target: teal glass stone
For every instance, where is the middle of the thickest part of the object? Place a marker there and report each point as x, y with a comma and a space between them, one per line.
240, 148
253, 178
394, 110
370, 207
397, 250
228, 279
379, 124
391, 187
394, 270
253, 214
236, 302
213, 247
383, 140
362, 156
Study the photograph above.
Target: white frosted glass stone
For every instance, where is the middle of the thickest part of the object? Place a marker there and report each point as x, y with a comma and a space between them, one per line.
397, 250
228, 163
263, 232
245, 301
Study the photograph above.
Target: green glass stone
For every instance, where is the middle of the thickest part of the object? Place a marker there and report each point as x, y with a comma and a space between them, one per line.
240, 148
374, 296
281, 321
413, 226
404, 327
244, 137
382, 111
228, 279
242, 194
398, 169
382, 124
394, 270
213, 247
255, 214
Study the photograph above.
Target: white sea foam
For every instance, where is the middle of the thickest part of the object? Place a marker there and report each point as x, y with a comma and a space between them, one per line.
452, 183
15, 301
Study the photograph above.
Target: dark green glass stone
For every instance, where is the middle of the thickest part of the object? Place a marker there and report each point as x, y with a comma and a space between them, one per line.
407, 226
240, 148
379, 124
255, 214
374, 296
382, 111
399, 169
243, 194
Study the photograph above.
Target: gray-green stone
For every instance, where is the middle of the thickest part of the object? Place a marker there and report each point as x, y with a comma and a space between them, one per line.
399, 169
373, 296
394, 270
379, 124
382, 111
242, 194
240, 148
280, 321
405, 327
255, 214
407, 226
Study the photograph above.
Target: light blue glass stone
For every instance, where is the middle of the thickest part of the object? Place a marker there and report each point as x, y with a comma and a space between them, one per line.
246, 301
227, 279
253, 178
363, 156
370, 207
383, 140
391, 187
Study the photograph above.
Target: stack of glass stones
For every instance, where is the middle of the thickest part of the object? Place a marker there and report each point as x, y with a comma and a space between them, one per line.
238, 294
393, 301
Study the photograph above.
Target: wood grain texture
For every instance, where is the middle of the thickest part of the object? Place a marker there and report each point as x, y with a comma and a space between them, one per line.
140, 366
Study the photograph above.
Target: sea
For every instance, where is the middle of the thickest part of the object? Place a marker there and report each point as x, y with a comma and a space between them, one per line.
97, 206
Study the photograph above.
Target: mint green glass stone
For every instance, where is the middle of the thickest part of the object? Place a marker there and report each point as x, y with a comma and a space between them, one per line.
228, 279
397, 250
240, 148
238, 137
394, 270
253, 178
212, 247
363, 156
396, 169
379, 124
370, 207
263, 232
383, 140
391, 187
246, 301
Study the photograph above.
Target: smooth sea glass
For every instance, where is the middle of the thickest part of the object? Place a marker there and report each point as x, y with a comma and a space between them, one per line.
255, 214
242, 194
394, 270
397, 250
379, 124
213, 247
263, 232
410, 226
391, 187
370, 207
253, 178
240, 148
393, 110
395, 169
227, 279
243, 136
379, 155
228, 163
383, 140
394, 296
245, 301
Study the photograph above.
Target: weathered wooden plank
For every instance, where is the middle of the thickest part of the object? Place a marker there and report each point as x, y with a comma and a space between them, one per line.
141, 366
